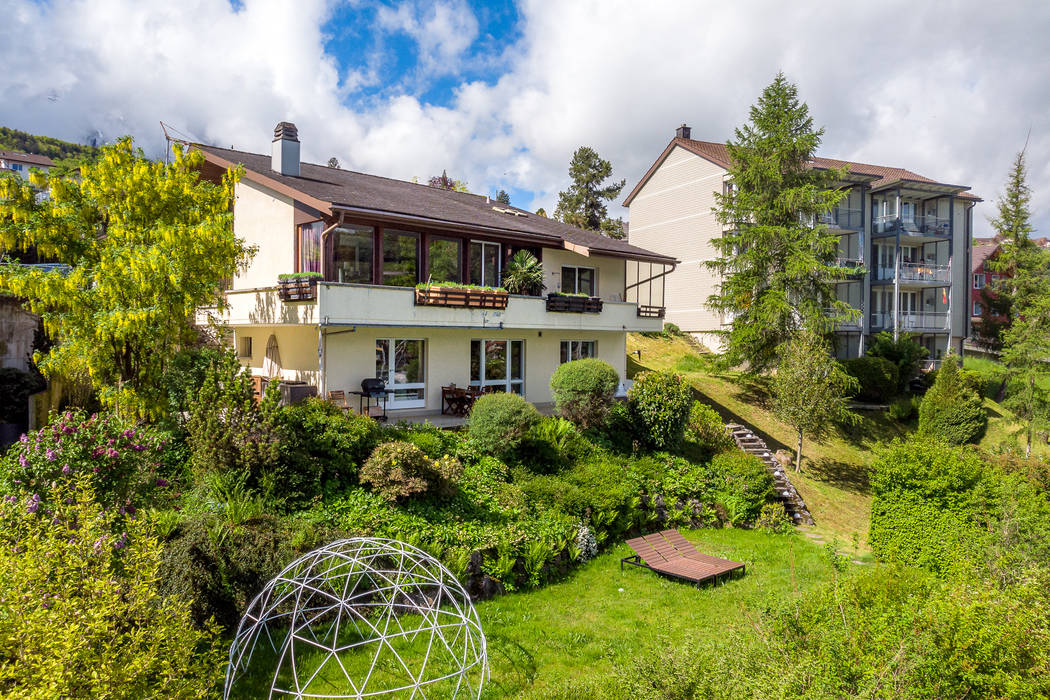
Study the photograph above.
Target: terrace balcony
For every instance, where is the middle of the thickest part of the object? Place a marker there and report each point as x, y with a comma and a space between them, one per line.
911, 226
843, 219
919, 321
921, 274
844, 323
345, 304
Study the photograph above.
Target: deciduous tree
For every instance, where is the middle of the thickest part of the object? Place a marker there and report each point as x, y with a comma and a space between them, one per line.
146, 244
444, 182
810, 388
776, 262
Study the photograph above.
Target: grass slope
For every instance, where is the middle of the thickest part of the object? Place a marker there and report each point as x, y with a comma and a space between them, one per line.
834, 482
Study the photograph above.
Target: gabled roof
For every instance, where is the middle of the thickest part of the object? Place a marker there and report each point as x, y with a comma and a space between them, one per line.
333, 191
981, 251
880, 176
28, 158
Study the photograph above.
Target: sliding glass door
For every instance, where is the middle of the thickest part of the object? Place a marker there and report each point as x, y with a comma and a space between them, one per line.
498, 365
400, 363
485, 263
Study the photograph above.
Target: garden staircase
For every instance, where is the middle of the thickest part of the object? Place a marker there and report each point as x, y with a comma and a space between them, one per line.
784, 490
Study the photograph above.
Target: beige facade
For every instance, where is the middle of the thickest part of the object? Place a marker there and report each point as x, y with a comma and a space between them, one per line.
911, 234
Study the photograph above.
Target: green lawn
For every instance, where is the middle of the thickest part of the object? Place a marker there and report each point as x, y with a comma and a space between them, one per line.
569, 639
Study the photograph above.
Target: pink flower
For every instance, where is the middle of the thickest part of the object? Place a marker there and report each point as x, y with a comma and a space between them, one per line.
66, 469
111, 453
22, 461
162, 482
50, 454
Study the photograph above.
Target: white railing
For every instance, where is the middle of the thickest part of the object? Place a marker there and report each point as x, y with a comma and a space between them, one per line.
921, 272
913, 320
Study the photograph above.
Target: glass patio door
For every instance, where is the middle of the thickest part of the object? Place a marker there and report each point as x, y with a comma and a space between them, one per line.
498, 365
400, 363
485, 263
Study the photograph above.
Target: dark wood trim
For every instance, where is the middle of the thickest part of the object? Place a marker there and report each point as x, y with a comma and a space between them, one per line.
462, 297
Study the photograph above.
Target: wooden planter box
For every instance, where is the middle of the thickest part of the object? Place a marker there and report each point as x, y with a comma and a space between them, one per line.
574, 304
461, 297
297, 289
645, 311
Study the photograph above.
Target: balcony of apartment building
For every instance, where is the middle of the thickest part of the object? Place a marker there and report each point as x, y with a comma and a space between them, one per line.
846, 322
844, 219
910, 321
914, 274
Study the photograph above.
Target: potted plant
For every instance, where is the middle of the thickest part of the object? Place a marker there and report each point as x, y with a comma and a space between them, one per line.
574, 303
524, 274
298, 286
461, 295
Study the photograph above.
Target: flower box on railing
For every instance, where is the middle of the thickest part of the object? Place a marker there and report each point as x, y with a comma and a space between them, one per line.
646, 311
465, 297
292, 288
573, 303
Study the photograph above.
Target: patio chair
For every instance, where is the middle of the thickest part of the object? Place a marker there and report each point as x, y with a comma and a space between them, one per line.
671, 554
337, 397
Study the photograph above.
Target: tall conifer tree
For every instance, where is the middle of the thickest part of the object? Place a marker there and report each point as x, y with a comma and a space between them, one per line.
777, 264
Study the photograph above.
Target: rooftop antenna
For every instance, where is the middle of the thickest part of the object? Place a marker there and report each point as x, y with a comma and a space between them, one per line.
169, 138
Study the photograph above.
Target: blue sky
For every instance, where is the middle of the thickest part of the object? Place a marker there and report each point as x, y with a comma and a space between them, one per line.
501, 94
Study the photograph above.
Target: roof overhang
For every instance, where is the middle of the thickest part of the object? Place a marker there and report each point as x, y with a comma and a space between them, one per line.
920, 189
261, 179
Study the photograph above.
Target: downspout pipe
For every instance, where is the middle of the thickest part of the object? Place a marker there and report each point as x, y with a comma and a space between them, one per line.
322, 380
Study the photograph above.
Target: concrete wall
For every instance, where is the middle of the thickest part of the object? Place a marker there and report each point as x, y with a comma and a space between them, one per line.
609, 271
672, 215
17, 327
350, 355
265, 219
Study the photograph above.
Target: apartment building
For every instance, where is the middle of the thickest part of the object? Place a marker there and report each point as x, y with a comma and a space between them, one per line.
907, 235
400, 282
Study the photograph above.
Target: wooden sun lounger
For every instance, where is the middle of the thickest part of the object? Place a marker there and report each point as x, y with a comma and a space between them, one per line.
671, 554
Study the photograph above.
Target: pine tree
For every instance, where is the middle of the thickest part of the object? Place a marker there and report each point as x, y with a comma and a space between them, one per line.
503, 197
1026, 354
583, 204
777, 265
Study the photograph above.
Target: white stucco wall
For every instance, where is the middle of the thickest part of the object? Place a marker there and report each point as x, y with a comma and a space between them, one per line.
350, 355
265, 219
672, 215
609, 271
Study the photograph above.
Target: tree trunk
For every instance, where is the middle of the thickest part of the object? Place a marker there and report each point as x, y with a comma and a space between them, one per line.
1028, 443
798, 453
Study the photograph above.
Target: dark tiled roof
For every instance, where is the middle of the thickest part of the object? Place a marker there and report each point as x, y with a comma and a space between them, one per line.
982, 249
30, 158
718, 154
346, 189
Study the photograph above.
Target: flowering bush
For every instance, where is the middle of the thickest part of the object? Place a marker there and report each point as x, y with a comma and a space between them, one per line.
125, 464
80, 614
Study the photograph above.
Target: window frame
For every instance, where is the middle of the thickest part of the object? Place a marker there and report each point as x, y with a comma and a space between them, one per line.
392, 386
507, 384
576, 279
562, 354
981, 276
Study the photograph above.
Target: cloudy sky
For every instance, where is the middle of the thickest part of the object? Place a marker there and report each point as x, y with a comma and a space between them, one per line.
500, 94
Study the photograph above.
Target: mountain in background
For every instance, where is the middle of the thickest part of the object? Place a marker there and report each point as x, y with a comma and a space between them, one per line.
64, 153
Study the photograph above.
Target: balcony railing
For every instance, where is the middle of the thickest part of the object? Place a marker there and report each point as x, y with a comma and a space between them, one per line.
921, 272
912, 320
841, 320
933, 226
843, 218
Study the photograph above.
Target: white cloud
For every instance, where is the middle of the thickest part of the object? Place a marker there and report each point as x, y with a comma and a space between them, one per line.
949, 91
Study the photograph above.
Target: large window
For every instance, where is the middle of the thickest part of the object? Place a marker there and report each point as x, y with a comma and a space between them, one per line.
352, 254
576, 350
399, 363
446, 259
310, 247
578, 280
400, 258
498, 365
485, 263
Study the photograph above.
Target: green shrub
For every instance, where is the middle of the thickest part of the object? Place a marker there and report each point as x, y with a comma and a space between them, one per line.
875, 632
927, 498
672, 330
16, 387
773, 518
323, 447
184, 376
741, 484
904, 408
399, 470
903, 351
706, 429
583, 390
498, 422
127, 465
227, 430
951, 410
658, 405
434, 441
877, 377
990, 375
82, 615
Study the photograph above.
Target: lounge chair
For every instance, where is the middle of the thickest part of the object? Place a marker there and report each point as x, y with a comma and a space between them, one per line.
671, 554
338, 398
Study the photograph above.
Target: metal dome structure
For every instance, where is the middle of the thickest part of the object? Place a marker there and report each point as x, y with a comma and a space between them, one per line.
360, 618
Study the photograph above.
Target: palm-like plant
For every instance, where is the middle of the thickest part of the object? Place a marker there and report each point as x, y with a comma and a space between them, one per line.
524, 274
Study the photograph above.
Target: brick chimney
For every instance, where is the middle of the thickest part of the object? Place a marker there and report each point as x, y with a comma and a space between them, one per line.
683, 132
285, 158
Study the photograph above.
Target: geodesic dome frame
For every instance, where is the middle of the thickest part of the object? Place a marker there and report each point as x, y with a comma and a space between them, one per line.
364, 596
